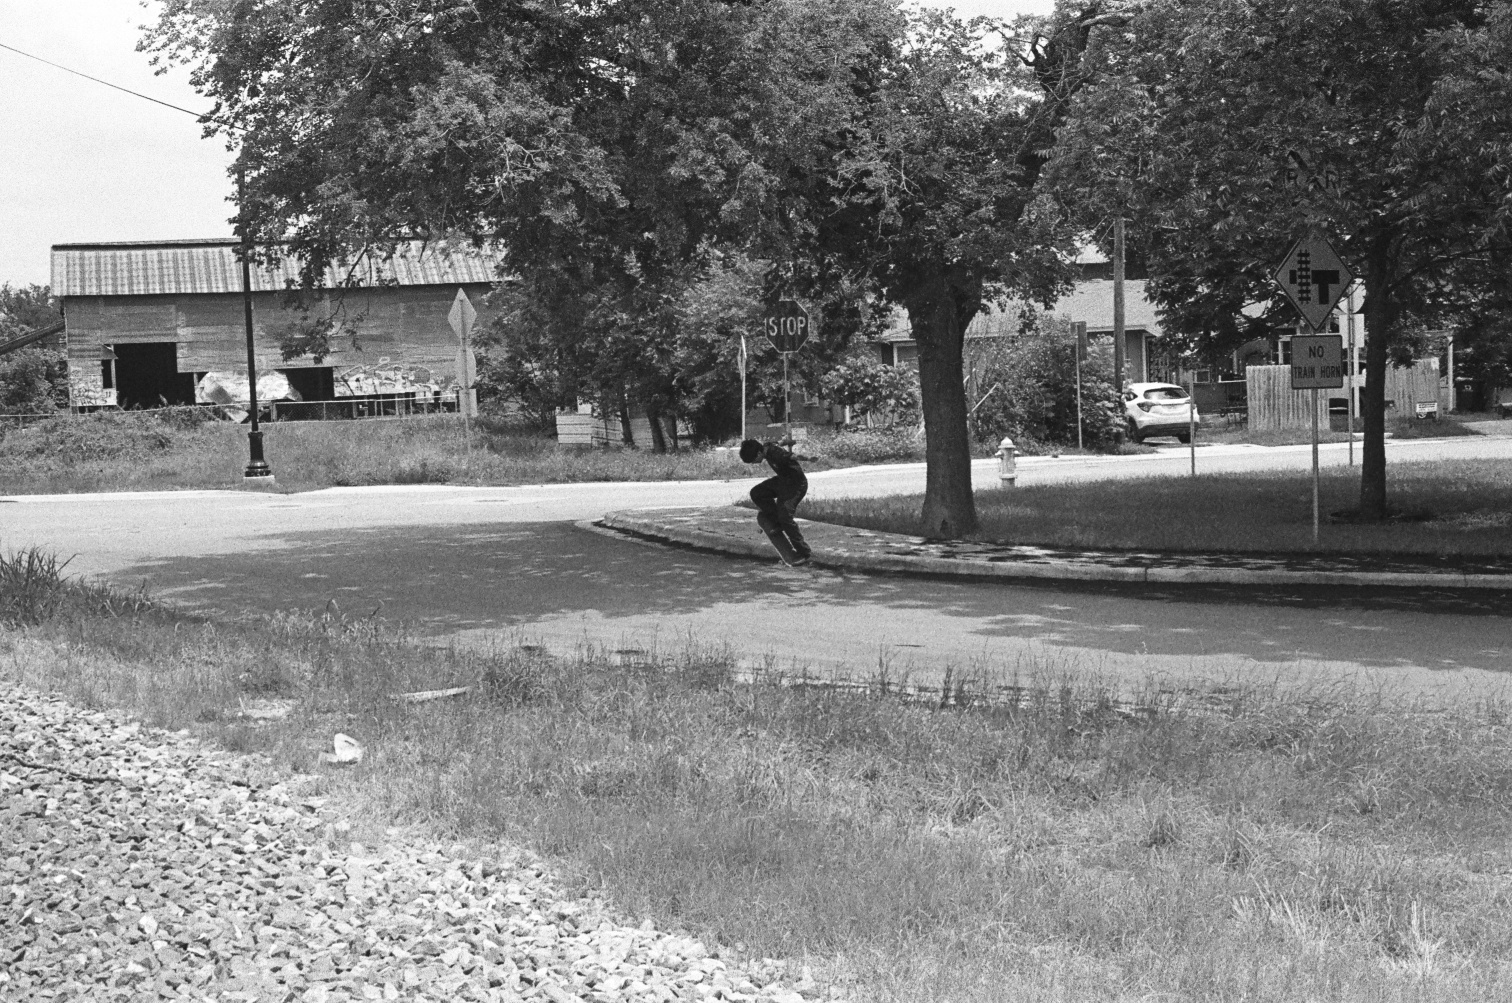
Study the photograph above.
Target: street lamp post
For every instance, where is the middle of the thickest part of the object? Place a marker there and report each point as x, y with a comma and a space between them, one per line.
257, 470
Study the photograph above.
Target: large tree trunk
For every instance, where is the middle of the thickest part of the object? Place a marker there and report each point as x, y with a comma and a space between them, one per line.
658, 433
1379, 317
933, 314
627, 430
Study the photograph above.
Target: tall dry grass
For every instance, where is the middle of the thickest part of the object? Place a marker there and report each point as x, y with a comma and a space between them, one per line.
184, 448
1238, 842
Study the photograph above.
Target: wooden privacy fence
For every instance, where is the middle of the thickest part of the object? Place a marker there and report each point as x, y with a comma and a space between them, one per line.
1273, 404
592, 430
1412, 385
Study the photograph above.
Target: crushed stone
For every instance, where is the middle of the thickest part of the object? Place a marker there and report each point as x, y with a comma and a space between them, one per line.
139, 864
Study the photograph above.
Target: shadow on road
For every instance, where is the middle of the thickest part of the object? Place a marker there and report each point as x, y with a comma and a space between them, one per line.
511, 575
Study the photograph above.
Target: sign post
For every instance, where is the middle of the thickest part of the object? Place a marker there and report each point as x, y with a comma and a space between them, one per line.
1192, 421
1314, 278
1353, 369
1317, 363
742, 388
1079, 328
787, 327
461, 319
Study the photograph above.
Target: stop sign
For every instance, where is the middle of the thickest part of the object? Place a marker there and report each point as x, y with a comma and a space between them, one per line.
787, 326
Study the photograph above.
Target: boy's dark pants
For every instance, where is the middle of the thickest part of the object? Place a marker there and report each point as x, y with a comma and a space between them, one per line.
777, 501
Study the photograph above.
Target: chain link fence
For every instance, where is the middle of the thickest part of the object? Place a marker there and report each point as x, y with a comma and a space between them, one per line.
398, 405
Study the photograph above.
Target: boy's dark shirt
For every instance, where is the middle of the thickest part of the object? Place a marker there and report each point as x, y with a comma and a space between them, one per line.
789, 473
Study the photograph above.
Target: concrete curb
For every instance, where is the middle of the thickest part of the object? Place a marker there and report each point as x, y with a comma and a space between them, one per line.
656, 529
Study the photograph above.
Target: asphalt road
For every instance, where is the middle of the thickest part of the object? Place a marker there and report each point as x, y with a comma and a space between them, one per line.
513, 565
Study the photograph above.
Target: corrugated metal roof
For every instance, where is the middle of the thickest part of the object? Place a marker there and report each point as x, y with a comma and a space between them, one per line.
210, 266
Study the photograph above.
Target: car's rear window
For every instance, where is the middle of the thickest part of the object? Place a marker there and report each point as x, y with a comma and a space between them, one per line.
1165, 394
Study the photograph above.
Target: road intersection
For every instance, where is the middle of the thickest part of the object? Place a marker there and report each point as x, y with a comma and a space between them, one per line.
520, 564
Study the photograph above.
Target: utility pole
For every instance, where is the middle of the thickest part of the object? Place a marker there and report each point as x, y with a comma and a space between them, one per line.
1119, 362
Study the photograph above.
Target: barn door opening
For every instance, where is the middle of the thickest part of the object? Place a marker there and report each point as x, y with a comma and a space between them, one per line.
147, 376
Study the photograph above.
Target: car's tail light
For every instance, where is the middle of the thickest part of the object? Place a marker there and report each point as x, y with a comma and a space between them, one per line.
1145, 405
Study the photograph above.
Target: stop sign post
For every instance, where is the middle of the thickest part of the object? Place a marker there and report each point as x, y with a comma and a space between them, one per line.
787, 325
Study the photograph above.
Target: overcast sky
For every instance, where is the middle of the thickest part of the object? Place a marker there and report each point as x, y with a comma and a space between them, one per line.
81, 162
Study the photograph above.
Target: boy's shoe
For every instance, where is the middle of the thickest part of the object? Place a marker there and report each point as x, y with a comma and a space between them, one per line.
801, 560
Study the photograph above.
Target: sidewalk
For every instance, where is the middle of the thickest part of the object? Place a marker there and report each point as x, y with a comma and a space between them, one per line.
733, 530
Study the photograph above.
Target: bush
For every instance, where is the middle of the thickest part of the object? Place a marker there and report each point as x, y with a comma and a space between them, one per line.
33, 381
867, 446
1030, 394
863, 384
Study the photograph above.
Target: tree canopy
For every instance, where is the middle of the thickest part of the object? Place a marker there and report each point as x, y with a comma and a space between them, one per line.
1223, 131
611, 150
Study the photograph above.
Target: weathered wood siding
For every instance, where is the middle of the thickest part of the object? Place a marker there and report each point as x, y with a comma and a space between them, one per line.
403, 333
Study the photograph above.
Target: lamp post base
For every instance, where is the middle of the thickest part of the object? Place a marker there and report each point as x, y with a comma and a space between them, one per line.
258, 471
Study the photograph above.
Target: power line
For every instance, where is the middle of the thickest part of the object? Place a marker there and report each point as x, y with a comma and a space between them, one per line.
107, 83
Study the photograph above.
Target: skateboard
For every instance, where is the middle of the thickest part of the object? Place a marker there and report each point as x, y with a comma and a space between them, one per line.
779, 540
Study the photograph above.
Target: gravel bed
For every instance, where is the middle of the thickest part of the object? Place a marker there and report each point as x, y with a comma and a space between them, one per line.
144, 865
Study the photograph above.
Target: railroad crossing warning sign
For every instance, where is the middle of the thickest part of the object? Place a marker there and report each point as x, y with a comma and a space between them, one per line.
1317, 362
787, 326
1314, 278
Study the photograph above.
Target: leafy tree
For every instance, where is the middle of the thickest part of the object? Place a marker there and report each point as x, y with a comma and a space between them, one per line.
607, 149
933, 195
26, 308
610, 147
1225, 130
33, 380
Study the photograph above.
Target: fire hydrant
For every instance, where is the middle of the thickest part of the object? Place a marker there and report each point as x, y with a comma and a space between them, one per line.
1007, 469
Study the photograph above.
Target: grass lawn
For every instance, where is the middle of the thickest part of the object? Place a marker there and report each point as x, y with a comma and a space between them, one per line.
176, 450
1248, 842
1398, 428
1448, 507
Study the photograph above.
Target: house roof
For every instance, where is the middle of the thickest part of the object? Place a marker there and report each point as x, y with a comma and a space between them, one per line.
210, 266
1091, 300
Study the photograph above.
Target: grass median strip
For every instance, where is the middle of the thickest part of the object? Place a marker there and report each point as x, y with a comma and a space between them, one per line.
1451, 507
1244, 841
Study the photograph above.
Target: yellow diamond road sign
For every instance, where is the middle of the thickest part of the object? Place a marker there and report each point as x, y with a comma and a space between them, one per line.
1314, 278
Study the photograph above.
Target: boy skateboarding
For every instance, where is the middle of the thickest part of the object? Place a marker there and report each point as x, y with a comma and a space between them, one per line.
777, 498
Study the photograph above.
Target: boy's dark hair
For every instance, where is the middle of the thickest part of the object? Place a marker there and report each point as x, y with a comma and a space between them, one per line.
751, 450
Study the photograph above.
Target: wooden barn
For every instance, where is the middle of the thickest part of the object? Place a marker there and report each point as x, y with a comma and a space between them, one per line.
159, 323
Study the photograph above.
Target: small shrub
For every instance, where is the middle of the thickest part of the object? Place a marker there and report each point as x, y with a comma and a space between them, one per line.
31, 588
33, 381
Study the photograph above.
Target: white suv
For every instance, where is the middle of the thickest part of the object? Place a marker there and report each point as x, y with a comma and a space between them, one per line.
1159, 409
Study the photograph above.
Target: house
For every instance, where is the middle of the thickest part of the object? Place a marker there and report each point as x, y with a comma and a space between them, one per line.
153, 323
1090, 301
